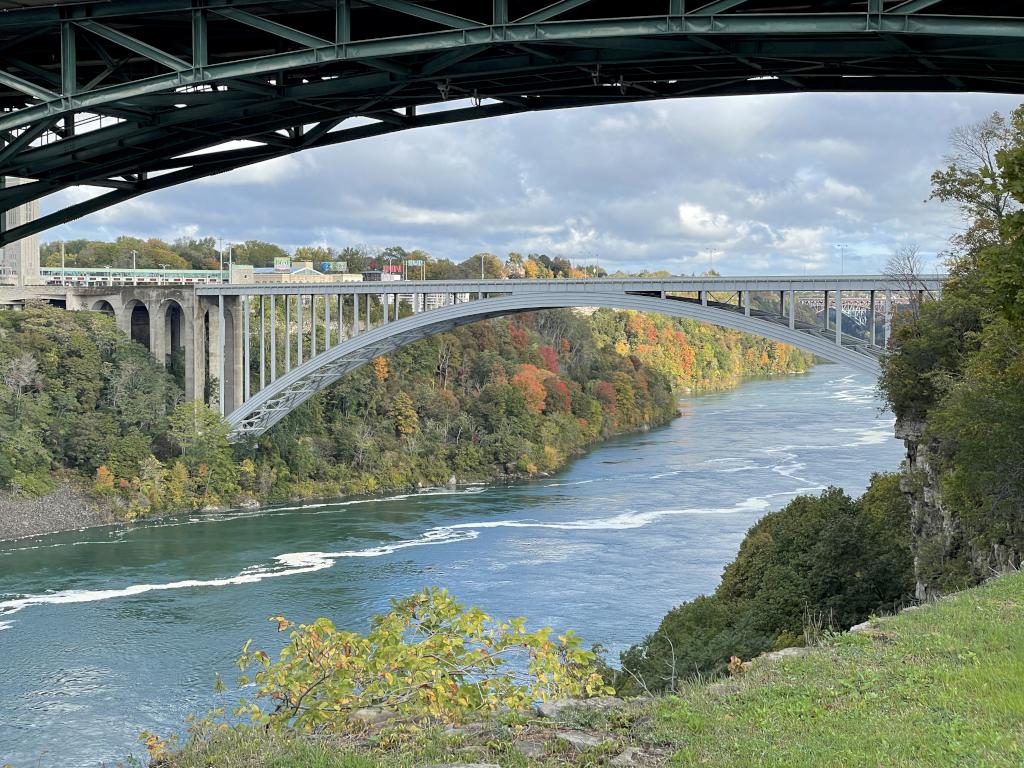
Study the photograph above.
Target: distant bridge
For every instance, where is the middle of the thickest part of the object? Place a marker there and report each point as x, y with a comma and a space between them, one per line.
375, 324
266, 349
131, 96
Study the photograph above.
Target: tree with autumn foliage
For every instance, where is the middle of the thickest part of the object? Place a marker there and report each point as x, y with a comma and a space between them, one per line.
530, 380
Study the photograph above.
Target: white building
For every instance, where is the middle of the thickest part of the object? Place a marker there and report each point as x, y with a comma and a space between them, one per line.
19, 264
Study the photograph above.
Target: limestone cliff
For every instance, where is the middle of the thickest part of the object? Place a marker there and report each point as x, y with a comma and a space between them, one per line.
946, 556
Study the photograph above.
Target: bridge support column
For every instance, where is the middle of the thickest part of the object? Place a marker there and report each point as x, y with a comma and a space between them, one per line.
825, 310
327, 322
792, 308
246, 370
263, 344
312, 327
232, 342
189, 331
273, 339
195, 351
745, 298
703, 298
287, 333
887, 319
871, 318
355, 314
300, 327
217, 343
839, 318
158, 342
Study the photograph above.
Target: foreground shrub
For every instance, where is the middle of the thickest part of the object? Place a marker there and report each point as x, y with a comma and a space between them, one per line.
427, 660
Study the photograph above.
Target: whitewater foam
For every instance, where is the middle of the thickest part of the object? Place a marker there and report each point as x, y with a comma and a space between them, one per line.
289, 564
869, 436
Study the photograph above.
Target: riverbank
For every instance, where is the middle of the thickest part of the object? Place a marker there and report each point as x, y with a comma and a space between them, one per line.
65, 509
936, 686
71, 507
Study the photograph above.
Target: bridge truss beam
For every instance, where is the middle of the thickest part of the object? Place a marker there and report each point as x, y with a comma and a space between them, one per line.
132, 96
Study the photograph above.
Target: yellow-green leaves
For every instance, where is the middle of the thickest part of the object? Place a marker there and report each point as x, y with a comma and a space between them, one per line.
429, 659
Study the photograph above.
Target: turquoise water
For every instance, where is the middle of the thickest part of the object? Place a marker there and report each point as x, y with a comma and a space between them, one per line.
109, 631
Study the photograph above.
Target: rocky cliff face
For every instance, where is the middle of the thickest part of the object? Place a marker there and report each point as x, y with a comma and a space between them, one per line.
946, 557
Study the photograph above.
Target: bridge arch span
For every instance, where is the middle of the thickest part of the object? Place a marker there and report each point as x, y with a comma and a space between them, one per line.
134, 319
270, 405
104, 307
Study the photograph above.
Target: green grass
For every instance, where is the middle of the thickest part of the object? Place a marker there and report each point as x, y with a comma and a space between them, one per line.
939, 686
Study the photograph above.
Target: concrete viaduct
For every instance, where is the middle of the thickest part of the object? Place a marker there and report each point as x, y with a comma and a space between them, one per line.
256, 352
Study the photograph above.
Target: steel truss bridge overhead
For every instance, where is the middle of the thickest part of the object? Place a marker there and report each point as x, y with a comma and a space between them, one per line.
136, 95
336, 328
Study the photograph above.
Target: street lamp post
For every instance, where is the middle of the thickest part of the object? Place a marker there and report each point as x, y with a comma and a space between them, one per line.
842, 257
711, 257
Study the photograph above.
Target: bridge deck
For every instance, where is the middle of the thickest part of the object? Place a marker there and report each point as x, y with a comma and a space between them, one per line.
756, 283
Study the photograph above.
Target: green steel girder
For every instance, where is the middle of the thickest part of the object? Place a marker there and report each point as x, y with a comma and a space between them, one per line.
177, 79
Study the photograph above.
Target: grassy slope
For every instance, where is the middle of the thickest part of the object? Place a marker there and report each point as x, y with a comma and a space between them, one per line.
939, 686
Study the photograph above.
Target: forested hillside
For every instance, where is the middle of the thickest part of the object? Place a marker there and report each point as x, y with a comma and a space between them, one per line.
498, 399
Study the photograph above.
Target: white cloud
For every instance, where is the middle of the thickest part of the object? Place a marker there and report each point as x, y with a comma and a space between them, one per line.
697, 221
771, 182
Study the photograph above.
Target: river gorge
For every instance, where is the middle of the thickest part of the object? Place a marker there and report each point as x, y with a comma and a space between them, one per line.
108, 631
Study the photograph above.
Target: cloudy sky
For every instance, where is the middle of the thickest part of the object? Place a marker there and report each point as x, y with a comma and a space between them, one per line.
758, 184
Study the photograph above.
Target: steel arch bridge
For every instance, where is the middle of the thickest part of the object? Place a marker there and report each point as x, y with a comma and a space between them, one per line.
132, 96
253, 401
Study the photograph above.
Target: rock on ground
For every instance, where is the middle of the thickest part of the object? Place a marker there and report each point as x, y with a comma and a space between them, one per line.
582, 740
531, 749
64, 509
784, 653
556, 708
629, 756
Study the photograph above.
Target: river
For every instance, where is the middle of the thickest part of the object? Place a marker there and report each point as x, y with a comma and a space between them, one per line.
108, 631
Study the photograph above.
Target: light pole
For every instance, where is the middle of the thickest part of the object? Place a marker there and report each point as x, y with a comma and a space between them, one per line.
481, 265
842, 257
711, 257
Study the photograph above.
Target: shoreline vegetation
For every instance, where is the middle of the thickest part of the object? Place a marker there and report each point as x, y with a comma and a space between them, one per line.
93, 431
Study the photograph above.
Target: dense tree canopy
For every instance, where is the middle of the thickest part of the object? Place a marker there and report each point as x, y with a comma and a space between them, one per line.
826, 562
959, 366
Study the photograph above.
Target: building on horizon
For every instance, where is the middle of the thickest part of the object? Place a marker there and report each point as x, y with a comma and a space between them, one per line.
19, 263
